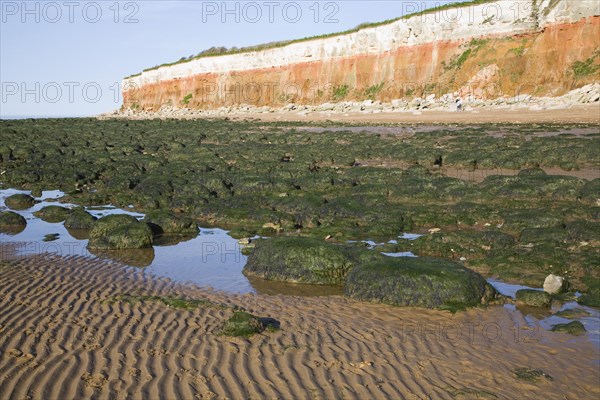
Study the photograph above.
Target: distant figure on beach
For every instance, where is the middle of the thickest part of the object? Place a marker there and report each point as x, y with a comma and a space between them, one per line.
459, 105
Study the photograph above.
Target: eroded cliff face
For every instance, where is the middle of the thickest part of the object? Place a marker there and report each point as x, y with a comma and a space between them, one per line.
502, 48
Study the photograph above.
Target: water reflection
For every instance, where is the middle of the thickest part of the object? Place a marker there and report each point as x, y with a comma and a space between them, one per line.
263, 286
12, 230
139, 258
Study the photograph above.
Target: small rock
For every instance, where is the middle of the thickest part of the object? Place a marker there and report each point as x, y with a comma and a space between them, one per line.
554, 284
573, 328
397, 103
533, 298
19, 202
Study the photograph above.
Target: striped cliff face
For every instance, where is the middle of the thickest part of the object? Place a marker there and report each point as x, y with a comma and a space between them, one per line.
540, 54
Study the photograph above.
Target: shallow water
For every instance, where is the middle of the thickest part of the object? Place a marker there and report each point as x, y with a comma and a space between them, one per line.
213, 259
545, 318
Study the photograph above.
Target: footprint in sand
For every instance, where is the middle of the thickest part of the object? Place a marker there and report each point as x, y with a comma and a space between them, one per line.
96, 380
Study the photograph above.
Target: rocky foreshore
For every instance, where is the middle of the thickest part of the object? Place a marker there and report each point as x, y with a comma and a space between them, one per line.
586, 95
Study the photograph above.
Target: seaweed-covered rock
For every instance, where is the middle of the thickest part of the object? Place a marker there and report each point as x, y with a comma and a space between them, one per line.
533, 298
572, 313
80, 219
110, 222
531, 375
12, 223
120, 232
241, 324
167, 222
573, 328
298, 260
590, 193
584, 230
532, 172
53, 214
591, 298
19, 202
420, 282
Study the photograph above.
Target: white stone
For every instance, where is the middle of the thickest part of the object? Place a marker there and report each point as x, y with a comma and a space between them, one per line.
554, 284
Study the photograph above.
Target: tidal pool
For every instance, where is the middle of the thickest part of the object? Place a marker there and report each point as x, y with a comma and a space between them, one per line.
213, 259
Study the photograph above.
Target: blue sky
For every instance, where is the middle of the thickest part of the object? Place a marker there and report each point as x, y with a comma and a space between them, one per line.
67, 58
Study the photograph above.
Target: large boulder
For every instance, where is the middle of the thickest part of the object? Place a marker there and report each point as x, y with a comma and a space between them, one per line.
53, 214
298, 260
120, 232
167, 222
80, 219
417, 281
19, 202
533, 298
12, 223
555, 284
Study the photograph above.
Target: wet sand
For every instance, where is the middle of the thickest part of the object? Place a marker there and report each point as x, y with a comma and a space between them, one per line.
61, 337
585, 114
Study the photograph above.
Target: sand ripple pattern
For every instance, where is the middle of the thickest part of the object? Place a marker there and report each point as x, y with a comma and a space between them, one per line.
61, 337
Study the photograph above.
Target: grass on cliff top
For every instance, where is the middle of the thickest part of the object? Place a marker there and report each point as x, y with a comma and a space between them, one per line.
272, 45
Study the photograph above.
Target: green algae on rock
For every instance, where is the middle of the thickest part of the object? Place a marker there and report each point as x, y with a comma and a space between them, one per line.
298, 260
79, 219
19, 202
241, 324
12, 223
573, 328
419, 282
120, 231
533, 298
168, 222
53, 214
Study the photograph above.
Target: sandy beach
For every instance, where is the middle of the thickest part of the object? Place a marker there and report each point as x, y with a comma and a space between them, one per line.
574, 114
64, 335
583, 114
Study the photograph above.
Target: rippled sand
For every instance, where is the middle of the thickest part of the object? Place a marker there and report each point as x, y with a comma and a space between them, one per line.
61, 337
